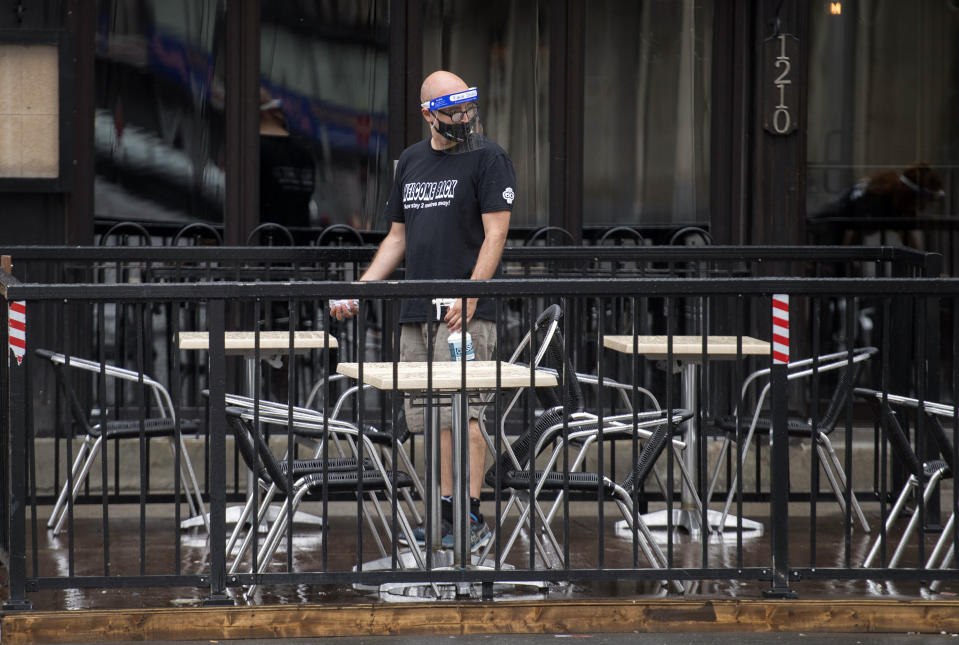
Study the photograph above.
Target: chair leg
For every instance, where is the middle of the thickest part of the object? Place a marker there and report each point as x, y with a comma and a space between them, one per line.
191, 483
914, 520
60, 506
78, 482
944, 538
408, 467
240, 522
907, 489
837, 472
653, 553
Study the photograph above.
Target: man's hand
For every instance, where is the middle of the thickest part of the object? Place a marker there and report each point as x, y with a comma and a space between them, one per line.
454, 315
343, 309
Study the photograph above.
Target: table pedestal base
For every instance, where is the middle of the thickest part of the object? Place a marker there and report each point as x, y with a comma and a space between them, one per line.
443, 561
692, 523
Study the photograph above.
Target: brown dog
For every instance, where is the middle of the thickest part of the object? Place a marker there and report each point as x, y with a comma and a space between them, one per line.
891, 194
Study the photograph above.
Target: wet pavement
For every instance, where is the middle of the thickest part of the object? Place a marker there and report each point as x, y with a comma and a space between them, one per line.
339, 553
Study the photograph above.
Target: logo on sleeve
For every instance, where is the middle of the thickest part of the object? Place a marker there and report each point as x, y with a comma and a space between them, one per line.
508, 195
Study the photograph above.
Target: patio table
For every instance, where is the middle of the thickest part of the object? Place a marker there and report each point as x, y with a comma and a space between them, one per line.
687, 352
446, 380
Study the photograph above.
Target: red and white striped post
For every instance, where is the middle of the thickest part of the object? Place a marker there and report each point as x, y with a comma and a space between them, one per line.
17, 329
779, 449
780, 329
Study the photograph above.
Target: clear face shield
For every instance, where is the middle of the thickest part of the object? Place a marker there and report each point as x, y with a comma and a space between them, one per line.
456, 117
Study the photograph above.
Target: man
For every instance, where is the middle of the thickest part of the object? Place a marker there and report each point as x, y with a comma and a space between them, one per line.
286, 169
449, 207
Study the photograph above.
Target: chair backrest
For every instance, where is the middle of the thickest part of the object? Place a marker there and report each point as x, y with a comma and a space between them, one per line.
837, 404
126, 234
339, 235
943, 443
550, 236
159, 394
647, 457
621, 236
270, 234
691, 236
66, 390
894, 432
254, 449
543, 346
197, 234
568, 394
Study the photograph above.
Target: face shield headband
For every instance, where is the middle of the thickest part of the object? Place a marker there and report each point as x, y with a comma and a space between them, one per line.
458, 131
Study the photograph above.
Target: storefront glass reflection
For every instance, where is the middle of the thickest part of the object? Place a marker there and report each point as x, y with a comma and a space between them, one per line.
646, 132
883, 133
159, 110
501, 47
324, 69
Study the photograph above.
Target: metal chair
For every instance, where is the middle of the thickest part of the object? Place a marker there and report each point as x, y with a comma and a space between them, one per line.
341, 436
370, 479
526, 480
923, 478
564, 409
164, 424
799, 427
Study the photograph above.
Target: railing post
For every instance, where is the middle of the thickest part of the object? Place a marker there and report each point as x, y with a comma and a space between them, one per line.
779, 451
216, 424
16, 426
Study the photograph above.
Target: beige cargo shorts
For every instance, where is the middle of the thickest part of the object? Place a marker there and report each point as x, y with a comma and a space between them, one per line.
413, 340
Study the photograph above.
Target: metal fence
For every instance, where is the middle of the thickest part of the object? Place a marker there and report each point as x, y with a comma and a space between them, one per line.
127, 307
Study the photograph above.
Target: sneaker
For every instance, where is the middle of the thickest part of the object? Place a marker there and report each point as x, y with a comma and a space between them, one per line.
480, 535
419, 534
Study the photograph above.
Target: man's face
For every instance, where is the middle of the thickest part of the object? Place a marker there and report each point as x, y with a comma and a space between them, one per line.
455, 123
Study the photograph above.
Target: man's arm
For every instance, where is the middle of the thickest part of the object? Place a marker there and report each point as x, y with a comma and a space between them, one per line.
495, 226
388, 256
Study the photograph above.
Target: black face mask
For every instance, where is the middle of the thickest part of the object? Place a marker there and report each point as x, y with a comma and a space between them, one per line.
455, 132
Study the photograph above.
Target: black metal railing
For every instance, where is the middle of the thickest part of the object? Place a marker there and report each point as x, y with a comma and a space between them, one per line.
89, 316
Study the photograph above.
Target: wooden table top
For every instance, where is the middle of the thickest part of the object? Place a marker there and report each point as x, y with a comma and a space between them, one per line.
447, 375
243, 341
686, 347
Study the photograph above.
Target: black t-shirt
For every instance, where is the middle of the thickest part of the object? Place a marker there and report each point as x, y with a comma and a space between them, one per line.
440, 197
286, 181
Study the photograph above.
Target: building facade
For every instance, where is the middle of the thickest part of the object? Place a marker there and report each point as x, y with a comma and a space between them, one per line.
760, 121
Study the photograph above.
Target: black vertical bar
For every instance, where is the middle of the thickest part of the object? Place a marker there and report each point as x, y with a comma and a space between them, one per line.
779, 485
731, 119
241, 213
17, 427
558, 133
177, 394
79, 224
217, 429
142, 439
406, 72
575, 52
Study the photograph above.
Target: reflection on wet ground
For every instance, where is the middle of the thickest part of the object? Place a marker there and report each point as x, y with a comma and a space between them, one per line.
340, 553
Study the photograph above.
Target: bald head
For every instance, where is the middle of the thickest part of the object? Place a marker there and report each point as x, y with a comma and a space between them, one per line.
441, 83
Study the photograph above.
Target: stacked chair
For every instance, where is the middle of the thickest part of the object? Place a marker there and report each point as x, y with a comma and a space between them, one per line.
362, 471
565, 425
849, 365
924, 476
